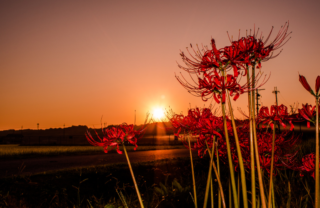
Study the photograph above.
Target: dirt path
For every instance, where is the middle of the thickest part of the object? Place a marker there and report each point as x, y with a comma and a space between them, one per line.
38, 165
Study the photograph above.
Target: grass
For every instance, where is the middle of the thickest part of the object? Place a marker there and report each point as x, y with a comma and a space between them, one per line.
102, 185
14, 151
163, 184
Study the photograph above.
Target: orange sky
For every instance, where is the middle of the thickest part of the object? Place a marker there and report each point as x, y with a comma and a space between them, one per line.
71, 62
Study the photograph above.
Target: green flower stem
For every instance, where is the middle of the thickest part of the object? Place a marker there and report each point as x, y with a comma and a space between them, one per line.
233, 182
206, 195
289, 197
262, 198
193, 178
242, 171
212, 194
132, 175
218, 176
273, 200
230, 200
252, 167
238, 185
217, 172
317, 155
272, 161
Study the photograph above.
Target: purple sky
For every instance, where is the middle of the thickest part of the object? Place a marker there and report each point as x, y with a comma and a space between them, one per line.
70, 62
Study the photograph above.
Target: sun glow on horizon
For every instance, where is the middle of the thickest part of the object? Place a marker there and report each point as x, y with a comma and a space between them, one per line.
158, 114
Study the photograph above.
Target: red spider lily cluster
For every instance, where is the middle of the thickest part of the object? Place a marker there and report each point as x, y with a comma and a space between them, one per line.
201, 123
210, 65
205, 126
115, 136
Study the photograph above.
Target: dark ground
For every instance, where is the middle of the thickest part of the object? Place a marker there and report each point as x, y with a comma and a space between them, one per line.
37, 165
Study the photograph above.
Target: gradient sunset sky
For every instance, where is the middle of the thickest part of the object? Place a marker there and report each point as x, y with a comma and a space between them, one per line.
71, 62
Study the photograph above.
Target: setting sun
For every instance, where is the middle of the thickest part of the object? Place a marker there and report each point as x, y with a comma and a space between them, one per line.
158, 113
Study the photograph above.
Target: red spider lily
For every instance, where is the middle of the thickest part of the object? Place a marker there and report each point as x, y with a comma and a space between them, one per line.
251, 49
193, 123
276, 113
211, 58
306, 86
200, 123
284, 151
296, 117
214, 85
115, 136
235, 57
308, 165
201, 61
284, 148
176, 121
214, 59
308, 113
218, 85
257, 48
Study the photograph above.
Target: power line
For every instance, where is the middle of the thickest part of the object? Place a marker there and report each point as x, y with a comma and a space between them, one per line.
284, 99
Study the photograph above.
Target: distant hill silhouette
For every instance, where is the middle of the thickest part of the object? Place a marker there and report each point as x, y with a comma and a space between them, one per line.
71, 135
75, 135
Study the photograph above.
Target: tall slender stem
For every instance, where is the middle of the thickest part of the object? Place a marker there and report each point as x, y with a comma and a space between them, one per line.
209, 174
132, 175
242, 171
272, 161
233, 182
230, 200
238, 185
262, 198
211, 193
252, 166
273, 200
217, 172
289, 197
218, 176
193, 178
317, 155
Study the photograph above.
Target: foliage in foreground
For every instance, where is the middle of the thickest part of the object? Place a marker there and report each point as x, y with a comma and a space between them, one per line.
162, 184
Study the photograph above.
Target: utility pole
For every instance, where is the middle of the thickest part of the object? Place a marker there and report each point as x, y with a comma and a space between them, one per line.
38, 126
276, 94
257, 99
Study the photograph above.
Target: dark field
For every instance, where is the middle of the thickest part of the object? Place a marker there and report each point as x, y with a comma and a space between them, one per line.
162, 183
165, 183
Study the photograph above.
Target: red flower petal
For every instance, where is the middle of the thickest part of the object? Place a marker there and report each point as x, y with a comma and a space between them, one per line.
317, 84
304, 83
